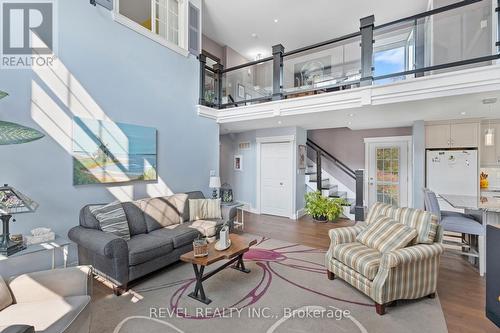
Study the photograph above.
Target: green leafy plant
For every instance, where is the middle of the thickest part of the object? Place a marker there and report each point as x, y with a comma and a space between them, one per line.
323, 208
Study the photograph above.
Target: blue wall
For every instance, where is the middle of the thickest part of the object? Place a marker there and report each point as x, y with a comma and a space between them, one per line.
131, 79
244, 182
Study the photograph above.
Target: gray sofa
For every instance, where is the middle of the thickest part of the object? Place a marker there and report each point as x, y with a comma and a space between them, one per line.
150, 248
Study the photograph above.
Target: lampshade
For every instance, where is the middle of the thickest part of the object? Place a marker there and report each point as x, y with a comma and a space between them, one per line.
489, 137
214, 182
14, 202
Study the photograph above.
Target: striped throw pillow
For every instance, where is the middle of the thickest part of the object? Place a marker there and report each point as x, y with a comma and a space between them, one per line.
202, 209
385, 235
112, 219
424, 222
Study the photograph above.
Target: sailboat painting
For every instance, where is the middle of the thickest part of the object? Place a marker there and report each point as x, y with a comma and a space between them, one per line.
108, 152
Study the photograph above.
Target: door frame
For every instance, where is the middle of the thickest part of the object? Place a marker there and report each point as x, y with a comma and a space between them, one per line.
290, 139
390, 139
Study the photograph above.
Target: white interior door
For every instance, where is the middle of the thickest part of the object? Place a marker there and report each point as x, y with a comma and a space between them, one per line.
276, 165
388, 173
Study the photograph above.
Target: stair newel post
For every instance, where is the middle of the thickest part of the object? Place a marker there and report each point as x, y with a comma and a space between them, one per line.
359, 208
319, 177
278, 51
366, 26
219, 68
203, 62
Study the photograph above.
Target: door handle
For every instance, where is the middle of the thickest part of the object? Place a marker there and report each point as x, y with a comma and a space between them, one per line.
281, 184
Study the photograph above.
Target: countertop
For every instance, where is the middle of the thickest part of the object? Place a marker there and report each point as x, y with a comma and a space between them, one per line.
487, 203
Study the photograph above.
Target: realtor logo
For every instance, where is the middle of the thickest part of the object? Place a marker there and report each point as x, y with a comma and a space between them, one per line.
28, 33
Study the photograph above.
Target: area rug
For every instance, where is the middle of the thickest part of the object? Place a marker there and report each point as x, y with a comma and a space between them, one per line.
286, 291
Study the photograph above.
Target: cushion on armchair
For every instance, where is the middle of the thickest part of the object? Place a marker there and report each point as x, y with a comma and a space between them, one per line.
5, 296
385, 234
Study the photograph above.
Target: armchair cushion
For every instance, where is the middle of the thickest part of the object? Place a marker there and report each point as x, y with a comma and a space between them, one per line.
359, 257
385, 234
5, 296
51, 316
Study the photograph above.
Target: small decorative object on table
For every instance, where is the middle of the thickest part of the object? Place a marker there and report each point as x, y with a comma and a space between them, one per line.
484, 183
224, 241
40, 235
12, 202
200, 248
226, 193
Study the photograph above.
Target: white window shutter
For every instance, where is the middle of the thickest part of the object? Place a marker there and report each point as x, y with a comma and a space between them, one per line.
194, 30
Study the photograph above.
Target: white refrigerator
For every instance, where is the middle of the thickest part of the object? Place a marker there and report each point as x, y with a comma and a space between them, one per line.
452, 172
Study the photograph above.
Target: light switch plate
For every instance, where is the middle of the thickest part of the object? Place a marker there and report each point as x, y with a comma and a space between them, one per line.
484, 24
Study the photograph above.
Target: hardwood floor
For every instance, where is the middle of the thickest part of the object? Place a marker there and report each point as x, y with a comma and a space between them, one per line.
460, 288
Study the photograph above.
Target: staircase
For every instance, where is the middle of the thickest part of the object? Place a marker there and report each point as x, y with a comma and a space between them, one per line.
318, 178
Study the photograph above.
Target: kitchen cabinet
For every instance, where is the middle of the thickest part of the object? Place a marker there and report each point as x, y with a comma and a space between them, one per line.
465, 135
490, 156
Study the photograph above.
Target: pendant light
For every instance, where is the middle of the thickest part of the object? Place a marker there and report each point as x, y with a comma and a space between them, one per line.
489, 135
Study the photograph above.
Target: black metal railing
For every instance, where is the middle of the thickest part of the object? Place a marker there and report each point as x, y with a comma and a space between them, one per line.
356, 175
420, 45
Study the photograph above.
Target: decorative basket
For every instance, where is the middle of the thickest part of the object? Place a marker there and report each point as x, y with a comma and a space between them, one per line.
200, 248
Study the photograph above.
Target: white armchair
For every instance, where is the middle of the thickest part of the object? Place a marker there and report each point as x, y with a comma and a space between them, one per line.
55, 301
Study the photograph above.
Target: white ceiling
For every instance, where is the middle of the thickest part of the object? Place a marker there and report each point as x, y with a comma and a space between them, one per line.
384, 116
300, 23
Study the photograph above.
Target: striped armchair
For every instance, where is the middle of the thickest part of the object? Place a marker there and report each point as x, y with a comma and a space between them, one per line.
407, 273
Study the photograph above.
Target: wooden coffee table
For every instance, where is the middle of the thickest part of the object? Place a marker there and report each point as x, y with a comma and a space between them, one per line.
239, 246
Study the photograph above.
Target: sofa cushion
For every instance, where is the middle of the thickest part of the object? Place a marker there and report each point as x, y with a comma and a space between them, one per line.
200, 209
5, 296
359, 257
385, 235
112, 219
135, 218
50, 316
163, 212
424, 222
191, 195
207, 228
179, 235
146, 247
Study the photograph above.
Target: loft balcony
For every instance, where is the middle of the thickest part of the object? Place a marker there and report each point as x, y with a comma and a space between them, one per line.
447, 51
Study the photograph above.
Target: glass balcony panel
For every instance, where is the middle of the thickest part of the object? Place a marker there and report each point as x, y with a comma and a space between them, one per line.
248, 83
325, 68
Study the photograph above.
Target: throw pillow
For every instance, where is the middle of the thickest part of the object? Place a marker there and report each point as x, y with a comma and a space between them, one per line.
385, 235
164, 211
201, 209
424, 222
206, 228
112, 219
5, 296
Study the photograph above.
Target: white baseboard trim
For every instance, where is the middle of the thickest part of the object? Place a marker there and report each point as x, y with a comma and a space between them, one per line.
300, 213
247, 207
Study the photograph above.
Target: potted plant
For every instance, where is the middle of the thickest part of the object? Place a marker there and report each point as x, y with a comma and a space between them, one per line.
323, 208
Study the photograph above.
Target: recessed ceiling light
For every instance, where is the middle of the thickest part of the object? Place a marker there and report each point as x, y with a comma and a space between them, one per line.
254, 35
280, 122
275, 20
463, 113
351, 115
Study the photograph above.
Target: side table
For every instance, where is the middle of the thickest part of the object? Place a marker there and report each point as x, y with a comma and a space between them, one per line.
60, 243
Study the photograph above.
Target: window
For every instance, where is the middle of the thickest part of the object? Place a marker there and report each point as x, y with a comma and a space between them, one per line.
164, 21
194, 30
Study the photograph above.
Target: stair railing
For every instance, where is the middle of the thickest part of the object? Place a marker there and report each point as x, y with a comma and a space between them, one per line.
357, 175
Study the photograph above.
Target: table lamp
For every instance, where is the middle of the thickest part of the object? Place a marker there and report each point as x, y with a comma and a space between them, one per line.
12, 202
215, 185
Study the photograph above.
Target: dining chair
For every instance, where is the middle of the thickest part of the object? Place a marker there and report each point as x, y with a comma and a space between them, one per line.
461, 223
